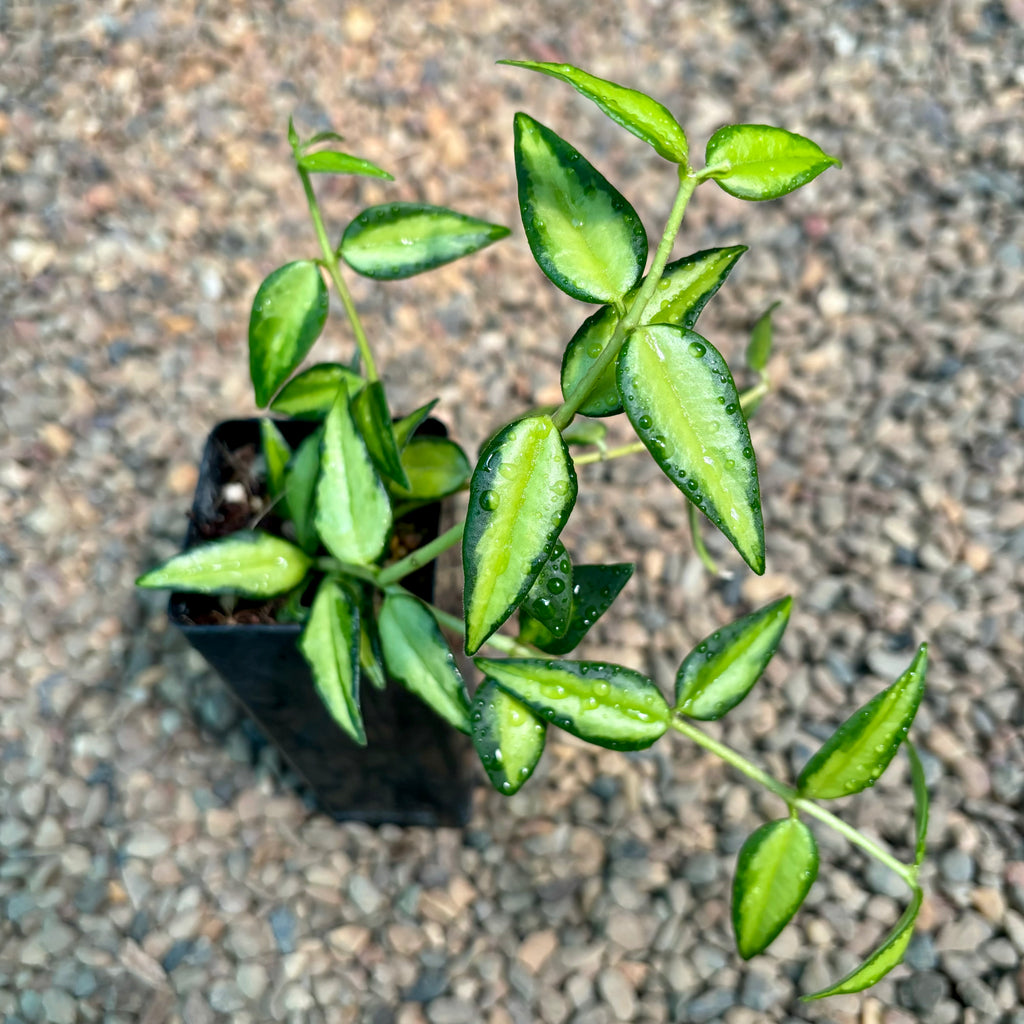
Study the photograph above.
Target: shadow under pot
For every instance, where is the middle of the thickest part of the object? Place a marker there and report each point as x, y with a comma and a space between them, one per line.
415, 768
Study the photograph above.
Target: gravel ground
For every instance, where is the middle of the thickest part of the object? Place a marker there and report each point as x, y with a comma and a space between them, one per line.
149, 871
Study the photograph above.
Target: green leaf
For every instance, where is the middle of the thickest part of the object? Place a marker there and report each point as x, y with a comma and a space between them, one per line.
417, 655
882, 961
310, 395
398, 240
331, 162
288, 314
585, 432
774, 872
407, 426
353, 513
607, 705
435, 467
921, 802
637, 112
594, 588
680, 397
686, 287
322, 137
550, 598
300, 490
247, 563
293, 135
508, 736
720, 671
371, 657
276, 454
756, 161
584, 235
373, 418
857, 753
330, 643
759, 349
520, 496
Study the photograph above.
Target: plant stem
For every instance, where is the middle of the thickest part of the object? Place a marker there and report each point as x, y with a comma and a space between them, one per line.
328, 564
564, 414
698, 541
505, 644
609, 453
330, 262
754, 394
421, 556
793, 799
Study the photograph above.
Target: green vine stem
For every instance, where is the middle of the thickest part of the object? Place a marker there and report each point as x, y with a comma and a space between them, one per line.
795, 802
421, 556
330, 264
505, 644
564, 414
698, 541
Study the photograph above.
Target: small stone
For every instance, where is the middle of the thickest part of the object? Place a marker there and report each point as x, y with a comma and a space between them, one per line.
618, 993
252, 980
59, 1007
924, 989
536, 948
298, 999
282, 924
449, 1010
964, 934
349, 939
225, 997
630, 931
13, 833
701, 869
709, 1005
49, 835
405, 940
956, 866
430, 983
365, 895
990, 903
220, 822
147, 842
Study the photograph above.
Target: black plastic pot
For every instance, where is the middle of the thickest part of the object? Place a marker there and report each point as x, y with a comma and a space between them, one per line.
415, 769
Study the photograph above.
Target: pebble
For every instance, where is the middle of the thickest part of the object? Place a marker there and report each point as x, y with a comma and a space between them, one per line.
708, 1005
536, 949
252, 980
451, 1011
282, 924
618, 993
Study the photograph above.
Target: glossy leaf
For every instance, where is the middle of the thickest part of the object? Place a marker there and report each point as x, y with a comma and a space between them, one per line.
883, 960
328, 161
520, 496
310, 394
607, 705
276, 454
247, 563
353, 513
370, 654
583, 234
508, 736
594, 588
407, 426
322, 137
637, 112
550, 598
759, 349
585, 432
435, 467
721, 670
757, 161
680, 397
293, 135
373, 418
686, 287
300, 486
921, 802
288, 314
330, 643
417, 656
398, 240
774, 872
857, 753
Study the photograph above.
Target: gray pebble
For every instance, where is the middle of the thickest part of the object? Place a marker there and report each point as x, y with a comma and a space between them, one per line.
365, 895
59, 1007
701, 868
921, 955
451, 1011
709, 1005
282, 924
924, 989
429, 984
956, 866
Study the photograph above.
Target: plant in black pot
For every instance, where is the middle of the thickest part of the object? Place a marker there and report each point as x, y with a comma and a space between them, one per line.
306, 578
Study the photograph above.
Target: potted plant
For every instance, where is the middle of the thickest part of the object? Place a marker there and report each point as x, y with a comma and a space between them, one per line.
308, 591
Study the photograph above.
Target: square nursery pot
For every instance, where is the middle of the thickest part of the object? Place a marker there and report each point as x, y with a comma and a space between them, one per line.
415, 768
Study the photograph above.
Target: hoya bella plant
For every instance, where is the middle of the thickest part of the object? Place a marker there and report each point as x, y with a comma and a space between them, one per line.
340, 491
